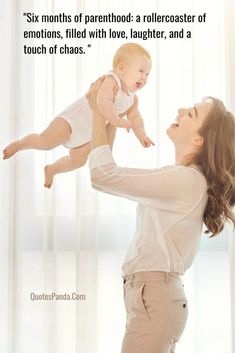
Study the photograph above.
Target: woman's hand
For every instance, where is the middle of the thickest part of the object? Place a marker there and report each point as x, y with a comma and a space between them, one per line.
93, 91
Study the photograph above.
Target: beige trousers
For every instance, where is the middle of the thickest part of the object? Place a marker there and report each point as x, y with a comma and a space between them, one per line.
156, 312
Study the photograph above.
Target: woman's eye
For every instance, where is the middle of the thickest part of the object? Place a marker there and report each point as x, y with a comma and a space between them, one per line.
141, 71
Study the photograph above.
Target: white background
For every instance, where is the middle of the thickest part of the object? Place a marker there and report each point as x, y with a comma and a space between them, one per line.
72, 238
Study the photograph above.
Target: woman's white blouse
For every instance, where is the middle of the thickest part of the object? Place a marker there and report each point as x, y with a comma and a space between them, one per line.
171, 201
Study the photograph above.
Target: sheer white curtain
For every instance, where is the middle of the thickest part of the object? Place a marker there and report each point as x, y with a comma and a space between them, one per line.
72, 238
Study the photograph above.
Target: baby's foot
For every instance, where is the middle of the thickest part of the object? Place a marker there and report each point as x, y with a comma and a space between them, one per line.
49, 176
11, 149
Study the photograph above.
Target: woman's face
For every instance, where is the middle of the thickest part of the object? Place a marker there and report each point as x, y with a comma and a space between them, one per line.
187, 123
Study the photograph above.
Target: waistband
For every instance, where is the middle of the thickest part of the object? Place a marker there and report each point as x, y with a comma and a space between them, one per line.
159, 276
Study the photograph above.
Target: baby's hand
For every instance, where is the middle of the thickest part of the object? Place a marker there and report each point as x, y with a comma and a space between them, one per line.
124, 123
146, 142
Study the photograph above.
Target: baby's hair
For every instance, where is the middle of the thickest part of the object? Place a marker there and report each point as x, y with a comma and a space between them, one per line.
126, 51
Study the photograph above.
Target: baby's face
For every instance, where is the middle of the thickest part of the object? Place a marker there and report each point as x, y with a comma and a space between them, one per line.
135, 72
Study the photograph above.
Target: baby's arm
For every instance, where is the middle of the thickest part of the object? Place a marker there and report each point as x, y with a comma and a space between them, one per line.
137, 124
105, 99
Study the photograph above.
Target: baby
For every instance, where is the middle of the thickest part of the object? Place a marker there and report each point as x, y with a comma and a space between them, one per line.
73, 126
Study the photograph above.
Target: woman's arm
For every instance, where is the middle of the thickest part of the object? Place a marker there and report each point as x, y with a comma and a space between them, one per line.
141, 185
111, 133
172, 183
101, 134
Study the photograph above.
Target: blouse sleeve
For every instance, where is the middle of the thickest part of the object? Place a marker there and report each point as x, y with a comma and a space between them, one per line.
141, 185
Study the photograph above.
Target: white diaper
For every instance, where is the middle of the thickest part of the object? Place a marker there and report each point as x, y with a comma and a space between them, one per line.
79, 116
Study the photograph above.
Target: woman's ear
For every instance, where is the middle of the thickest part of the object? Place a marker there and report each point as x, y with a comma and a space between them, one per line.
198, 141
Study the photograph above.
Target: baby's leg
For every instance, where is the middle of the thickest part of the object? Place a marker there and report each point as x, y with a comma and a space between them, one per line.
55, 134
77, 158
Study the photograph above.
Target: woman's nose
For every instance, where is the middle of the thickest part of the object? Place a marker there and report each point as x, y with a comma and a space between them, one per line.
181, 111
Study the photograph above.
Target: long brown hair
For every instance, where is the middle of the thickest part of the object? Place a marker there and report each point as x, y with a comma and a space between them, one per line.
216, 160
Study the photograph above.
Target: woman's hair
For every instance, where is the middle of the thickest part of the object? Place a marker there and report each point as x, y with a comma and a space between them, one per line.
216, 160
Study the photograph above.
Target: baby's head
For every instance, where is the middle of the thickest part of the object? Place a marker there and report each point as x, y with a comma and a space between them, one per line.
132, 64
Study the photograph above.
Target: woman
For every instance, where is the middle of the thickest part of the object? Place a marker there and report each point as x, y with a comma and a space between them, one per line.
174, 201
